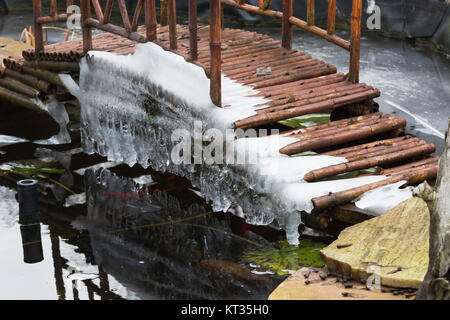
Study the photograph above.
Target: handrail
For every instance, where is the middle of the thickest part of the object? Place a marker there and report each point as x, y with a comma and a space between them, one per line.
148, 6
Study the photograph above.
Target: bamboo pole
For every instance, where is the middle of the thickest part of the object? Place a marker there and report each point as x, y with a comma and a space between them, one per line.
355, 46
164, 13
331, 16
124, 14
215, 43
337, 198
137, 15
172, 25
288, 9
343, 136
86, 29
19, 88
310, 12
334, 170
193, 49
98, 10
150, 20
38, 36
19, 100
32, 81
108, 11
53, 65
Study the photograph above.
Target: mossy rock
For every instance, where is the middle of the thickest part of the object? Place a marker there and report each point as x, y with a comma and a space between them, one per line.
394, 245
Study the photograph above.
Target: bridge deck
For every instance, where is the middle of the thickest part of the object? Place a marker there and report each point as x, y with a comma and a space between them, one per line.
296, 84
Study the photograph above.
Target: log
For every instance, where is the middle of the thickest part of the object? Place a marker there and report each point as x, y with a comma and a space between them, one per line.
436, 285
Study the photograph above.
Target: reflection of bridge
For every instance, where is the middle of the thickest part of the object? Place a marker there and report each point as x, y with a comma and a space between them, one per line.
296, 84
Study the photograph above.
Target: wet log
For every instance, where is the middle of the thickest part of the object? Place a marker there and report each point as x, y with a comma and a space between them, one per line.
172, 25
150, 20
436, 285
193, 48
137, 15
19, 88
38, 35
343, 136
215, 43
19, 100
331, 16
135, 36
334, 170
44, 75
108, 11
34, 82
288, 9
355, 41
54, 65
337, 198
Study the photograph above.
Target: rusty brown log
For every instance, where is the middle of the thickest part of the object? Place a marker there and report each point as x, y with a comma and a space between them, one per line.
54, 66
124, 14
19, 100
302, 85
19, 88
339, 130
86, 29
44, 75
379, 151
337, 198
334, 124
172, 25
355, 41
344, 136
150, 20
319, 71
310, 12
38, 35
215, 42
98, 10
288, 9
331, 92
53, 8
331, 16
349, 150
266, 118
193, 48
31, 81
390, 157
164, 13
108, 11
135, 36
62, 17
137, 15
410, 166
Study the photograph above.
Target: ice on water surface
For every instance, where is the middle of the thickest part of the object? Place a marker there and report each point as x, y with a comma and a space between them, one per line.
131, 105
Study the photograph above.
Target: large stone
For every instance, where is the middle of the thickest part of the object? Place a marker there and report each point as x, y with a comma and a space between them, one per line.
295, 288
393, 246
10, 47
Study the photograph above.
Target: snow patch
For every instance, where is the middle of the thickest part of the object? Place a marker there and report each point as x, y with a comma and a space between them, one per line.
382, 199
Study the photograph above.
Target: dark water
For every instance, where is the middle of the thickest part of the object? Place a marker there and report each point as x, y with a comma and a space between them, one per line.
161, 241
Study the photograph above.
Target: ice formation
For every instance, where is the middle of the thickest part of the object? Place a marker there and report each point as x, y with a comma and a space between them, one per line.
131, 105
384, 198
58, 111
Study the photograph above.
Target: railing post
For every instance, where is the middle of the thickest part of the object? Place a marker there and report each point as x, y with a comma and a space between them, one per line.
311, 12
355, 43
38, 38
193, 51
86, 30
150, 19
172, 25
288, 8
331, 16
215, 47
164, 12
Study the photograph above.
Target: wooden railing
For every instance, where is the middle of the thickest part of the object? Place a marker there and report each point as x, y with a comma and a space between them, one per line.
129, 29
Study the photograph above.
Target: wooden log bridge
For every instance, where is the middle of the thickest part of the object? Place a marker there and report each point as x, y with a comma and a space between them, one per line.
296, 84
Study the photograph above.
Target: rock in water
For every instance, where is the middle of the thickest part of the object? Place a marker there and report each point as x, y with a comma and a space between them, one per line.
307, 284
394, 246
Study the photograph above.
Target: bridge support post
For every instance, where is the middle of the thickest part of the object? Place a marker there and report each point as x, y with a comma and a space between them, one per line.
355, 43
172, 25
38, 38
193, 50
288, 9
150, 20
215, 43
86, 30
